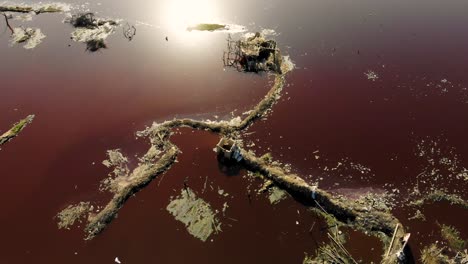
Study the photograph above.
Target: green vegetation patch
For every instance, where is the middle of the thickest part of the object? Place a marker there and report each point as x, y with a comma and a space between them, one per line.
433, 255
452, 236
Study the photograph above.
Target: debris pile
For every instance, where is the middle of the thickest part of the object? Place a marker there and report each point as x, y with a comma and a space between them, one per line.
253, 53
31, 37
91, 30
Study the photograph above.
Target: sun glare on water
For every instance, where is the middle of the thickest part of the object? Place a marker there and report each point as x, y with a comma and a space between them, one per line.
177, 15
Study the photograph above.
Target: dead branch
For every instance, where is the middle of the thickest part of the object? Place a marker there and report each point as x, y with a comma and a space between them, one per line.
8, 23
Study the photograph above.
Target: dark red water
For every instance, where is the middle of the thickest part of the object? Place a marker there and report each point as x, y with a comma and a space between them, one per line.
87, 103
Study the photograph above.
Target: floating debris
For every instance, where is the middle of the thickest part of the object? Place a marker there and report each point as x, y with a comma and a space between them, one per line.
91, 30
228, 149
195, 213
30, 36
333, 252
129, 32
452, 236
207, 27
68, 216
37, 9
371, 75
276, 195
433, 254
232, 28
117, 161
15, 130
24, 17
253, 53
418, 215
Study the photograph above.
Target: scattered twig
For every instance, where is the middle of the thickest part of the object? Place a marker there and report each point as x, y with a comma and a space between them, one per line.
129, 32
393, 239
8, 23
186, 186
312, 227
162, 177
342, 247
204, 185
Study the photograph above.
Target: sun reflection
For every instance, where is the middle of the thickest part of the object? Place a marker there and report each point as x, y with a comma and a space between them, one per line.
177, 15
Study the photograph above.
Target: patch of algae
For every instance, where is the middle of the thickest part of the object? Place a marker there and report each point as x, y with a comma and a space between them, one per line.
197, 215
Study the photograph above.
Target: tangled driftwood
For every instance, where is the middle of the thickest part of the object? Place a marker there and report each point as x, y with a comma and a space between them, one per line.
163, 153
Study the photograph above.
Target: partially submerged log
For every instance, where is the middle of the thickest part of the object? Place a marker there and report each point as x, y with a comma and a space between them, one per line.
125, 187
15, 130
40, 9
377, 223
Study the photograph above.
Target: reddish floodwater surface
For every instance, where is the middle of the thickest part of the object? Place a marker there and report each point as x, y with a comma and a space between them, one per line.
374, 84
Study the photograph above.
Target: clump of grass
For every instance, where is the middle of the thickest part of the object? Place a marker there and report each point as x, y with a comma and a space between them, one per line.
452, 236
334, 252
207, 27
433, 255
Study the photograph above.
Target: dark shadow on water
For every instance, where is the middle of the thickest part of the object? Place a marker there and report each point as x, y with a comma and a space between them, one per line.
95, 45
228, 166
